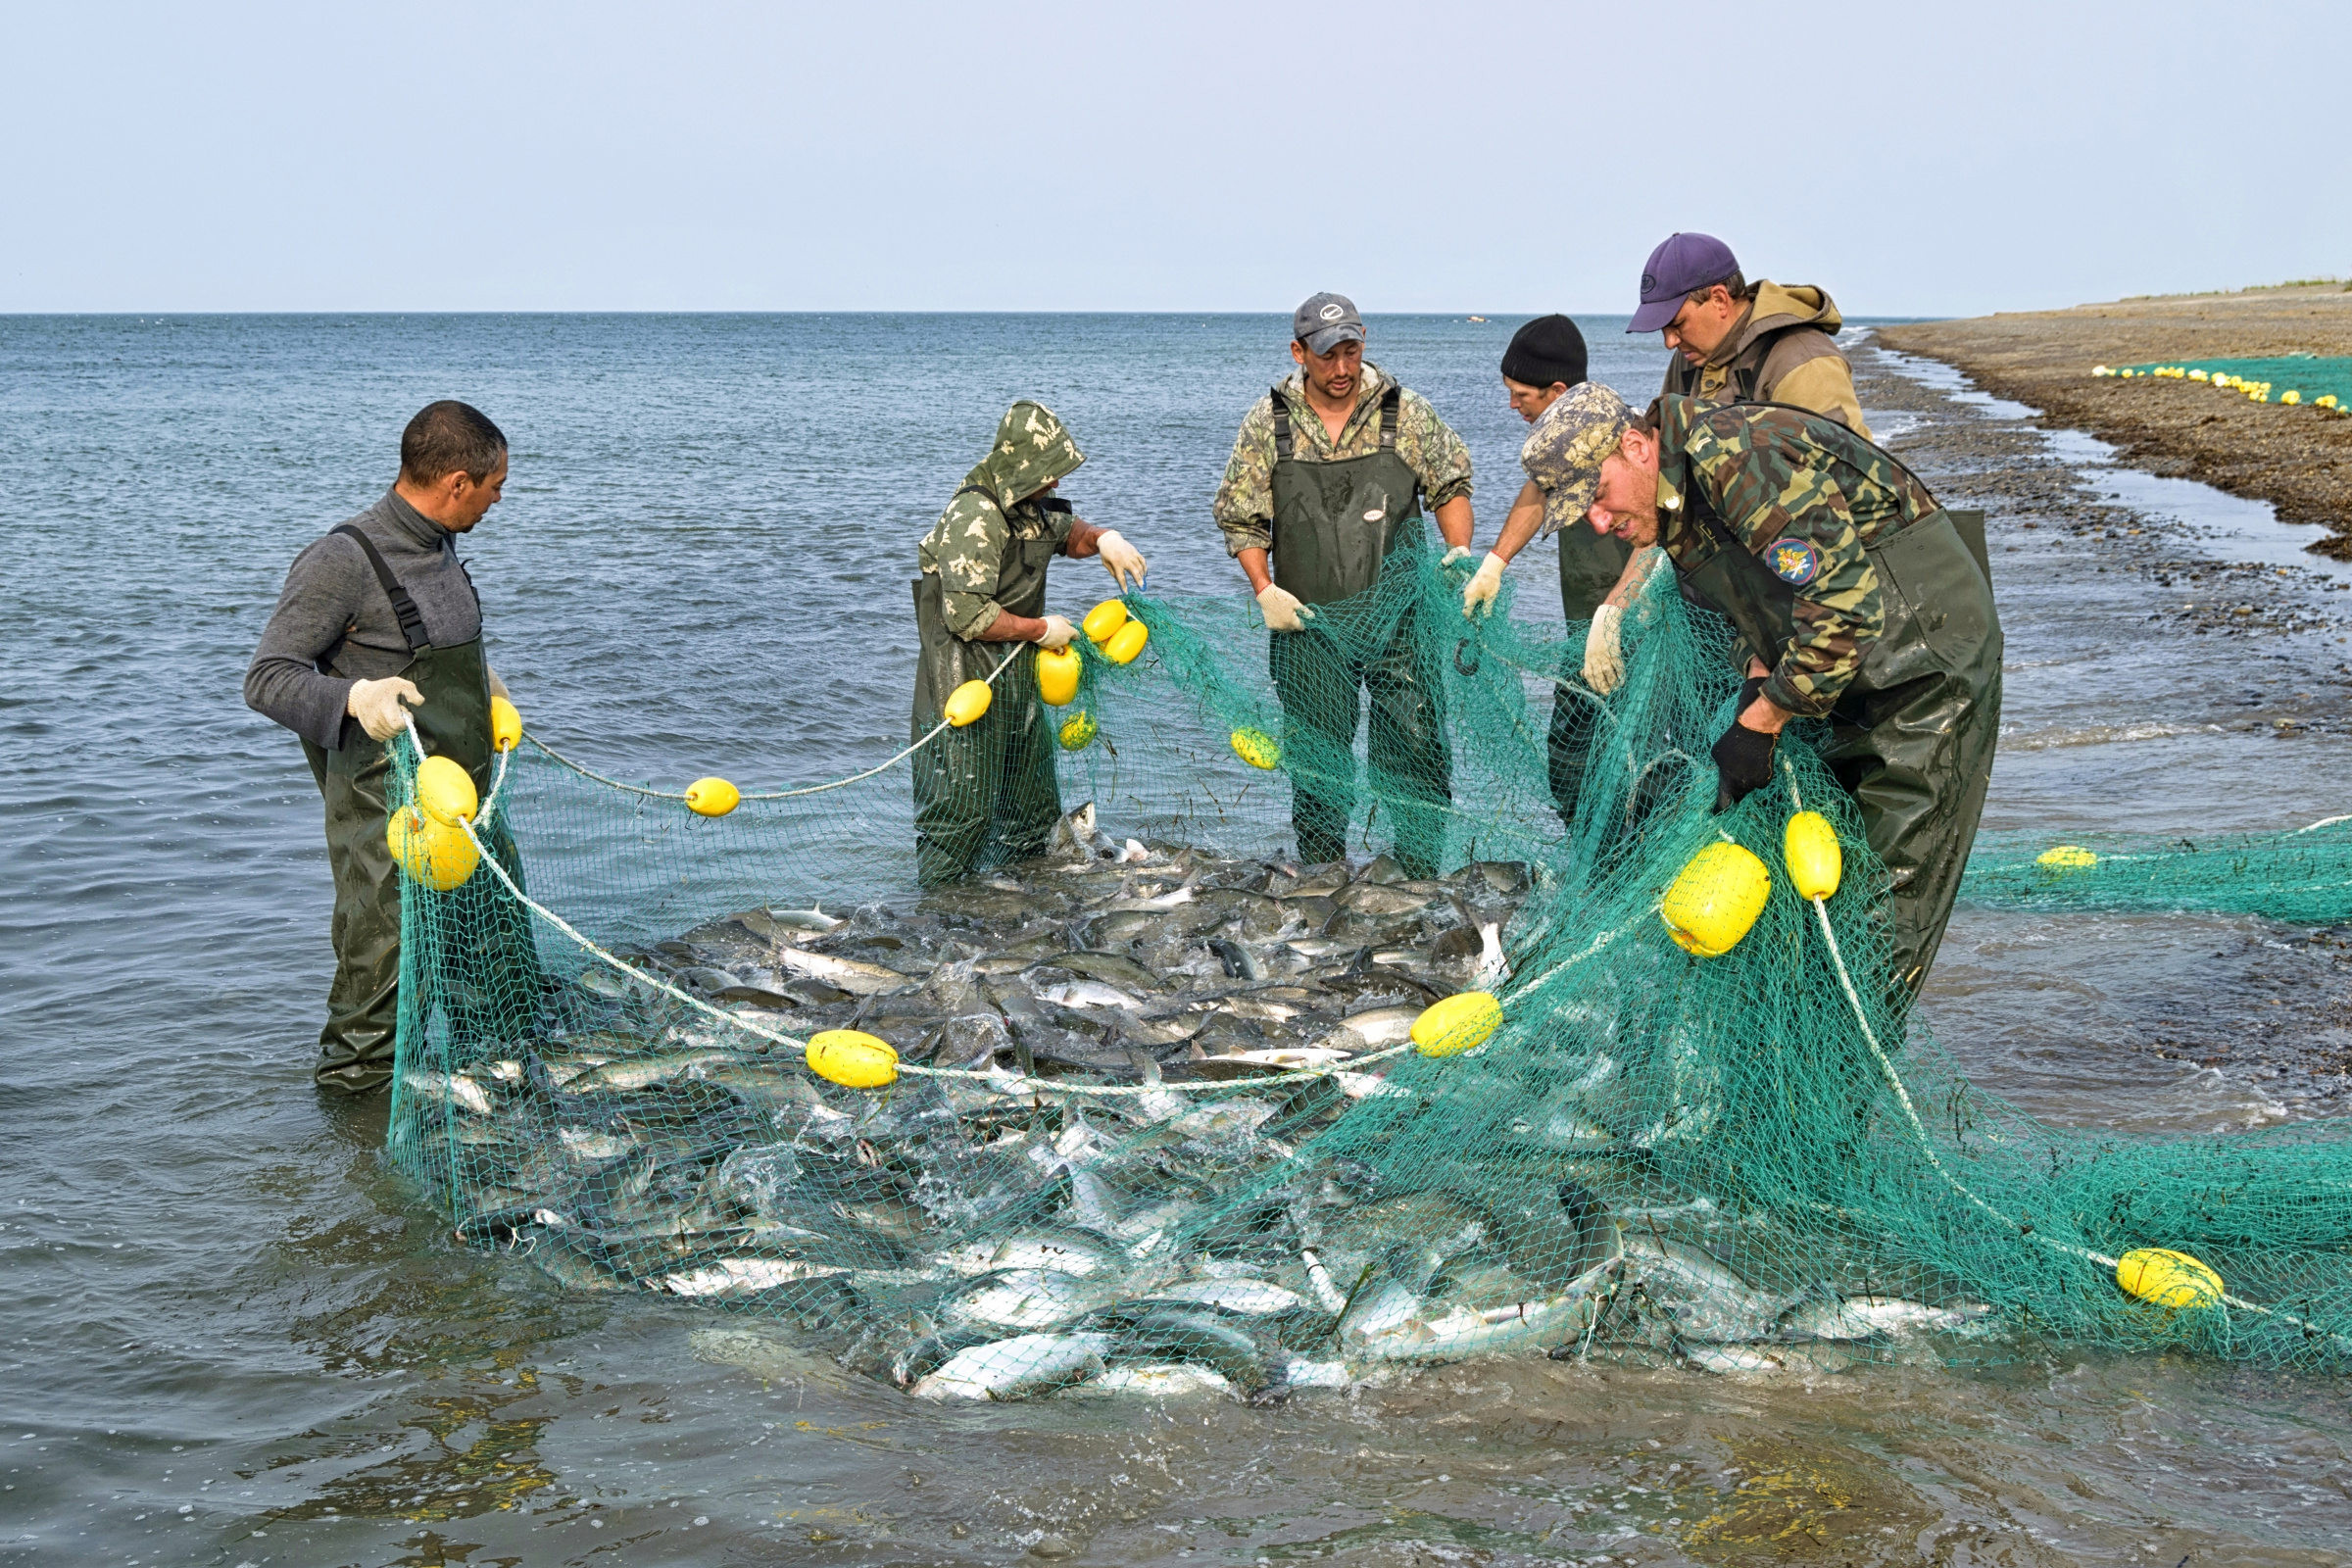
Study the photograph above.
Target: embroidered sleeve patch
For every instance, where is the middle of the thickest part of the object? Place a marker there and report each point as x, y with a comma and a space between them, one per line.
1795, 561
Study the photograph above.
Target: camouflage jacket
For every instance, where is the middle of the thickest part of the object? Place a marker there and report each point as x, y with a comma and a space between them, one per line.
1809, 497
1245, 503
965, 546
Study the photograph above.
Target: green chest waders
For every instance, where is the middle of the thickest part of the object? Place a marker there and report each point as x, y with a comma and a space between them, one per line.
356, 1049
985, 792
1335, 526
1590, 562
1912, 738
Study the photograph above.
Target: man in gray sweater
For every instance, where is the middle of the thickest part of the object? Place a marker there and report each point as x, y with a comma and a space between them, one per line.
378, 623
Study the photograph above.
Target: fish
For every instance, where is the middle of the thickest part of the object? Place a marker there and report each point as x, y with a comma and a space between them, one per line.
743, 1276
1152, 1332
1155, 1380
1463, 1332
1863, 1318
852, 975
1016, 1368
448, 1089
1704, 1298
1088, 994
1376, 1027
1064, 1251
645, 1071
1025, 1298
1243, 1296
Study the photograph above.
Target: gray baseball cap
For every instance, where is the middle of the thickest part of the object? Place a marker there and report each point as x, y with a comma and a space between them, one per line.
1325, 321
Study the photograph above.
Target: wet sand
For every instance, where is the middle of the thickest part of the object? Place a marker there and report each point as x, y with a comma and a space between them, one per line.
2299, 459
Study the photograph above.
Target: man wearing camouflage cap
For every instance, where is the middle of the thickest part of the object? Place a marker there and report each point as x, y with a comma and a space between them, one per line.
1857, 598
989, 788
1327, 476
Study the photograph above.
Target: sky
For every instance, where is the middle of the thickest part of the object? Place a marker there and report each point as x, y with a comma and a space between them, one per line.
1210, 156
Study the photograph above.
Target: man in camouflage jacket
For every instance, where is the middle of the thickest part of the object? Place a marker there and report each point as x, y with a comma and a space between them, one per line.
1857, 600
988, 789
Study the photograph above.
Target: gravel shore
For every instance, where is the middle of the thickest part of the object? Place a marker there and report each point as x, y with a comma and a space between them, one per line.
2299, 459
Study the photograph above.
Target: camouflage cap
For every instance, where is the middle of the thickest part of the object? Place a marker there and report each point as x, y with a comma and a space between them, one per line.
1564, 451
1032, 450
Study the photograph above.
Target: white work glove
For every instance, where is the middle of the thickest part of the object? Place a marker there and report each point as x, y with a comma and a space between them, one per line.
1120, 558
1057, 633
498, 688
1457, 553
1604, 660
1478, 594
376, 705
1283, 610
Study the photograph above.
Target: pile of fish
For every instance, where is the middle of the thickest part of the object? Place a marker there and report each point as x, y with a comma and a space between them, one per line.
1113, 1192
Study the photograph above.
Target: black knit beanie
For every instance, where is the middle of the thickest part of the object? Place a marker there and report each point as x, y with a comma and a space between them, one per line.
1546, 350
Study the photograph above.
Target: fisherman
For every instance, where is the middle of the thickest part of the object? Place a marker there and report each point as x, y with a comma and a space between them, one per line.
1733, 341
989, 788
1853, 586
378, 625
1328, 476
1546, 360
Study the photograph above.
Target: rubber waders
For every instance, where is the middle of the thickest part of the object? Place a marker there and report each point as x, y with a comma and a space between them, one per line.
1590, 563
1912, 738
985, 792
357, 1048
1336, 525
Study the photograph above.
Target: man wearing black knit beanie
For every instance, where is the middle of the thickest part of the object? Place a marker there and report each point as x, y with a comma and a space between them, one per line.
1547, 358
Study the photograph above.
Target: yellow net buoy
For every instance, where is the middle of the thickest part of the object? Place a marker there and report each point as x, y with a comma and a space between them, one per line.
1815, 861
967, 701
2066, 856
2168, 1278
506, 725
1127, 642
1078, 731
1103, 620
436, 853
2290, 396
1454, 1025
852, 1058
1716, 900
1256, 748
713, 797
1057, 671
446, 791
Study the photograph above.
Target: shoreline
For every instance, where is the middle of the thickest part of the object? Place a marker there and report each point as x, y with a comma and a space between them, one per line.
2297, 459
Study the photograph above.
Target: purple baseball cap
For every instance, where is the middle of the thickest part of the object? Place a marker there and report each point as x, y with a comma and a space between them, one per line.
1681, 265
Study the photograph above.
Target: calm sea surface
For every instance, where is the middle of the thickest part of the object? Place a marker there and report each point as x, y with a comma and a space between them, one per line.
230, 1334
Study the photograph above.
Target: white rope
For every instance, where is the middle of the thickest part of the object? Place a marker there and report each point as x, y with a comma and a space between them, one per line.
1003, 664
1008, 1083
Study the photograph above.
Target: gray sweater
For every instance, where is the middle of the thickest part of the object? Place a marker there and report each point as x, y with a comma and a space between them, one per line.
333, 623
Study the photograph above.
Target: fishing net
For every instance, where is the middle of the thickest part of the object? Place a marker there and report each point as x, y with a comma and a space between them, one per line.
2306, 378
1174, 1111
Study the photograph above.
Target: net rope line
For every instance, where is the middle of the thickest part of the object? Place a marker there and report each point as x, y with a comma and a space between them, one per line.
1006, 1083
1919, 1132
771, 795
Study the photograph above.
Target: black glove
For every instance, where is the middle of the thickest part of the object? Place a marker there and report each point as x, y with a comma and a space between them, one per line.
1743, 765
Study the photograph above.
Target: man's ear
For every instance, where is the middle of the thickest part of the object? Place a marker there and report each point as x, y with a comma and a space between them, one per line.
1298, 352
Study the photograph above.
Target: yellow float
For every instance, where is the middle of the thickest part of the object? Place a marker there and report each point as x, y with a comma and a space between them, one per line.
1815, 861
713, 797
506, 725
446, 791
2168, 1278
1461, 1021
1256, 748
1103, 620
852, 1058
967, 701
1078, 731
434, 853
1716, 900
1127, 642
2066, 856
1057, 671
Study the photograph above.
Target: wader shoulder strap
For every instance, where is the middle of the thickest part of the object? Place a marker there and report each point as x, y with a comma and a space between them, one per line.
980, 490
411, 621
1282, 427
1388, 417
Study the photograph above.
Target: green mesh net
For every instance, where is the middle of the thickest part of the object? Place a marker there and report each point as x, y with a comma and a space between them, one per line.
2314, 379
1171, 1110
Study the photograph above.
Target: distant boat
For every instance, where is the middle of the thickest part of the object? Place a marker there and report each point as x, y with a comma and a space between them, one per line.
1478, 317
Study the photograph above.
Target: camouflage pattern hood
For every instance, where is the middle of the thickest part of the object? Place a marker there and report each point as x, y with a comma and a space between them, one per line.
1031, 450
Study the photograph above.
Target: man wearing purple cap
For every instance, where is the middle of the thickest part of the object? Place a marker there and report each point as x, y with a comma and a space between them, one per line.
1741, 342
